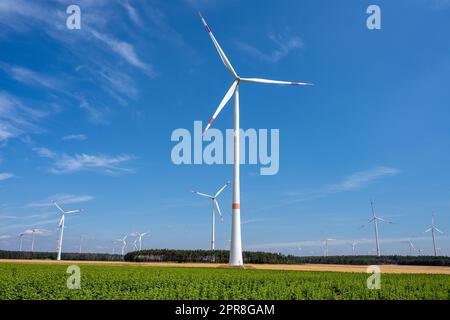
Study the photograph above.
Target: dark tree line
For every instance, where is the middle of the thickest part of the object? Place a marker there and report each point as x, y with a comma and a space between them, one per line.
222, 256
65, 256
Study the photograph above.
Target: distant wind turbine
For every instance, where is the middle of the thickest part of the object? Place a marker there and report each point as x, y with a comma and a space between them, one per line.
325, 242
21, 240
33, 232
434, 229
124, 243
354, 243
138, 239
411, 246
375, 220
215, 205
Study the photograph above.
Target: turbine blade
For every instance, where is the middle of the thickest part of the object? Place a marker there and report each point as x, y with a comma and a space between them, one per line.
428, 230
383, 220
57, 206
74, 211
259, 80
438, 230
222, 55
221, 189
222, 104
202, 194
218, 210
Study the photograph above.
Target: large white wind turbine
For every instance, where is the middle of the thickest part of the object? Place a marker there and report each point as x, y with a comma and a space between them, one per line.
433, 229
375, 220
61, 226
215, 205
236, 242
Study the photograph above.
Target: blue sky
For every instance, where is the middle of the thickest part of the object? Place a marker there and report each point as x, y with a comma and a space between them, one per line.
86, 118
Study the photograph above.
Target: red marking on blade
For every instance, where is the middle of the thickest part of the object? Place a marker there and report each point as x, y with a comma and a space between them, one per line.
236, 206
211, 121
295, 83
207, 28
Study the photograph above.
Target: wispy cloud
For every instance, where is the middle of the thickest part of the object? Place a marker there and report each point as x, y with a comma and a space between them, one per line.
79, 137
353, 182
15, 118
283, 46
4, 237
360, 179
132, 13
6, 176
63, 163
95, 115
61, 198
337, 242
125, 50
29, 76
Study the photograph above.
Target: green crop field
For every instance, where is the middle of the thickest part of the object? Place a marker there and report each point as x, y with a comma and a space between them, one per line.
29, 281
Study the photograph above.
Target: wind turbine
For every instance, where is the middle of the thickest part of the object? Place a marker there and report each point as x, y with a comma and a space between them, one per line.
138, 239
124, 243
33, 232
215, 205
375, 220
61, 226
412, 248
21, 240
354, 243
433, 229
82, 238
325, 242
236, 241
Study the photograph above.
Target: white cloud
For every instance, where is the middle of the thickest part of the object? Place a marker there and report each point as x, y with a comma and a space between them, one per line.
63, 163
353, 182
15, 118
61, 198
79, 137
125, 50
101, 163
30, 77
95, 115
361, 179
6, 176
284, 46
44, 152
132, 13
4, 237
336, 242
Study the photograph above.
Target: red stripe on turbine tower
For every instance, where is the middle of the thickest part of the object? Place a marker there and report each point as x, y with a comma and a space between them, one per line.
236, 206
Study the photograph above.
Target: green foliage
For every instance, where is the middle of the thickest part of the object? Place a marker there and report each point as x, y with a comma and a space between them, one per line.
29, 281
